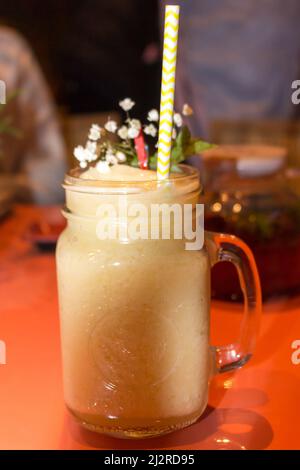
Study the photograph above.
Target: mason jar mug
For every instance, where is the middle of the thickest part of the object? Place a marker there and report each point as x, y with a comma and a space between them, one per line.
135, 313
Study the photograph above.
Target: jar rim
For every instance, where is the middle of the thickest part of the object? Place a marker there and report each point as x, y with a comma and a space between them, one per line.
188, 174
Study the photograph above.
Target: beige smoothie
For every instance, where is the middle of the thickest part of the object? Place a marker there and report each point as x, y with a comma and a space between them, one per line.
134, 314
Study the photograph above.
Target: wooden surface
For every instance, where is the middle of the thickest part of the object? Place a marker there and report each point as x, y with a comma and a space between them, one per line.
255, 408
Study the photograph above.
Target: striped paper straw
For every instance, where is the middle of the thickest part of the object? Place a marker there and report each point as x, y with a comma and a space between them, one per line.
167, 91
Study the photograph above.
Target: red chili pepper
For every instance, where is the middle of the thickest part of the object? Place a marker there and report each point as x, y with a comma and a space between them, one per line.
141, 150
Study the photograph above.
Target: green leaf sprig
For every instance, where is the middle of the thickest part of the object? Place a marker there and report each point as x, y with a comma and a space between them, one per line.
183, 147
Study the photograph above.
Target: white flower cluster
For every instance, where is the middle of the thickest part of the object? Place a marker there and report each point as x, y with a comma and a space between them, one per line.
178, 121
153, 116
111, 126
88, 153
127, 104
95, 132
106, 152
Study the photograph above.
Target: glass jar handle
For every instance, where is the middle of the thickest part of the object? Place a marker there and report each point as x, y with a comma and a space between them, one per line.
230, 248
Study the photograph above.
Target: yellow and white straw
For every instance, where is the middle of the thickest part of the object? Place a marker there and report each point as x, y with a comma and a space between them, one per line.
167, 91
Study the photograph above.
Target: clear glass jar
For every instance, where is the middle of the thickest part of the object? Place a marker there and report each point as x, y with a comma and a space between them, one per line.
135, 313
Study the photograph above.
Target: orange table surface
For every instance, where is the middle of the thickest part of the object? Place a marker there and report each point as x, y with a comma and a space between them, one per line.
257, 407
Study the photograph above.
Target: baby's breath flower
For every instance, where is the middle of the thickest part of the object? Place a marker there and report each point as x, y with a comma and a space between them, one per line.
136, 124
123, 132
178, 119
111, 158
95, 132
133, 132
86, 154
90, 157
121, 157
134, 128
153, 115
111, 126
91, 146
150, 130
79, 153
187, 110
102, 167
127, 104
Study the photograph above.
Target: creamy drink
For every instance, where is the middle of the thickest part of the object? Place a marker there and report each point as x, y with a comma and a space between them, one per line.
134, 315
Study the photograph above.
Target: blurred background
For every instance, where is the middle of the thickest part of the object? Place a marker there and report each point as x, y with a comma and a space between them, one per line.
94, 52
67, 64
